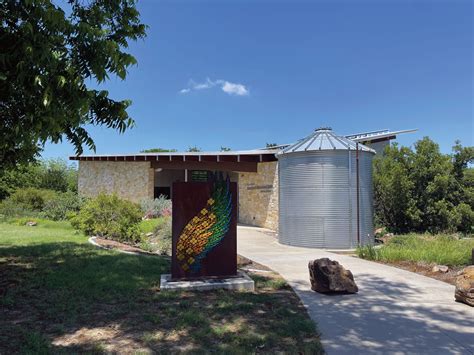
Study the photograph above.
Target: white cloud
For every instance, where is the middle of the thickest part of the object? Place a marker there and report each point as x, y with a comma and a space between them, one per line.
226, 86
235, 89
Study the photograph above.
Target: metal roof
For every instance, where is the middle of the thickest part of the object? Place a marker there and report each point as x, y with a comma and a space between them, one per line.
376, 135
258, 155
324, 139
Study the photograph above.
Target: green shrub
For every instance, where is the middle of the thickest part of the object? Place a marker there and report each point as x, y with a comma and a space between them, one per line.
111, 217
59, 207
164, 236
32, 199
160, 241
57, 175
28, 202
158, 207
150, 225
9, 209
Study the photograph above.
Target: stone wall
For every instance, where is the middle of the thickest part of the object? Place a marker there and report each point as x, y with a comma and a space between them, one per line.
258, 196
133, 181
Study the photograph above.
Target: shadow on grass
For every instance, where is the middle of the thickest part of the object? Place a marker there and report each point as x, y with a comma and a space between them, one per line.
71, 297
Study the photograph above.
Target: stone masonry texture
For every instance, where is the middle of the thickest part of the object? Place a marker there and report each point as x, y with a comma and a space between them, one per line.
129, 180
134, 181
258, 196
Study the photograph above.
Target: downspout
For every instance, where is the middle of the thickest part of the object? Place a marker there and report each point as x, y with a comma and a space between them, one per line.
349, 177
357, 194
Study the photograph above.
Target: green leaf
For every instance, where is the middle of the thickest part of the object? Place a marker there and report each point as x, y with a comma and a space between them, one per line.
64, 54
38, 81
61, 81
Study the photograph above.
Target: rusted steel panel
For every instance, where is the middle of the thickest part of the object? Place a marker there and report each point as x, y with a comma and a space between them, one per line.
192, 207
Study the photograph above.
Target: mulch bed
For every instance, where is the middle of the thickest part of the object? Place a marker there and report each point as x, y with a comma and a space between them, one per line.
112, 244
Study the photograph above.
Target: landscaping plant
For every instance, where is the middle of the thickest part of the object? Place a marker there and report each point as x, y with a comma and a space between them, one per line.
158, 239
158, 207
26, 202
110, 217
62, 205
440, 249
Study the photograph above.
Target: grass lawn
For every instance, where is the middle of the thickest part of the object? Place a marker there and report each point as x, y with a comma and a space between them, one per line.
438, 249
58, 294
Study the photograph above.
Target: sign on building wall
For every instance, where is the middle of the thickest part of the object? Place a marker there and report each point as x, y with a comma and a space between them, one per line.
204, 228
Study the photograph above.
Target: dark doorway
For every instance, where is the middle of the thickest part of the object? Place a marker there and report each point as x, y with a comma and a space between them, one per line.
162, 190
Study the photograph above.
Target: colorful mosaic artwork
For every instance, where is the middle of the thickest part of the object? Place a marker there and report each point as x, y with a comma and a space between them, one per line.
207, 229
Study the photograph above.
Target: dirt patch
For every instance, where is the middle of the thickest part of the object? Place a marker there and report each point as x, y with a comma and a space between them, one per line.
426, 270
108, 338
247, 264
114, 245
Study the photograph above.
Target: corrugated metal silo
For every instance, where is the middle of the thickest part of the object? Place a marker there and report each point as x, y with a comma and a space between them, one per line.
318, 182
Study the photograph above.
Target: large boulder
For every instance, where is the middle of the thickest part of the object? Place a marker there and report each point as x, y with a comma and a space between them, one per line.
328, 276
465, 286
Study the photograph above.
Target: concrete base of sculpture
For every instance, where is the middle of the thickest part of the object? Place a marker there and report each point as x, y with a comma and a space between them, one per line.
241, 282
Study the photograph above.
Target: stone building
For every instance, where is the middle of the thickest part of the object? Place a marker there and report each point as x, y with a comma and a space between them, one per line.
141, 176
149, 175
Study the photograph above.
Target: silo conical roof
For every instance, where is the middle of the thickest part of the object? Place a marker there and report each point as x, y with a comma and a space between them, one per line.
324, 139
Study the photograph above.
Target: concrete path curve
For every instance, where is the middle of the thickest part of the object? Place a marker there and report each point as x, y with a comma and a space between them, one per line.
395, 311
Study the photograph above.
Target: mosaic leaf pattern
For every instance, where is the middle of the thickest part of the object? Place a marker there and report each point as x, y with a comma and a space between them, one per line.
207, 229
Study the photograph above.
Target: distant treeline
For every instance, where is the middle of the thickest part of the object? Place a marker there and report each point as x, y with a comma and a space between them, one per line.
54, 174
422, 189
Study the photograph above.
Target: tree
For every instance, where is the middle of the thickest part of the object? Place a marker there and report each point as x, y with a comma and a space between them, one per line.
423, 189
271, 145
57, 175
48, 57
462, 157
21, 176
54, 174
393, 189
225, 149
435, 188
158, 150
193, 149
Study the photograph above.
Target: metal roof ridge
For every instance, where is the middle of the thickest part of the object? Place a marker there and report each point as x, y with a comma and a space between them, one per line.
324, 139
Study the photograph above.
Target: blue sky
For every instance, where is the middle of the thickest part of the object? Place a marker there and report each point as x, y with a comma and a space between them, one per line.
241, 74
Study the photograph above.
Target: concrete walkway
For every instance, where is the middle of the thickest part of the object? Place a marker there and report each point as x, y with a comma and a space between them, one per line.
395, 311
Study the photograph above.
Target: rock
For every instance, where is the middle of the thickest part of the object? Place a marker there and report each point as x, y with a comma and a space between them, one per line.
379, 231
464, 291
386, 238
328, 276
440, 268
31, 223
